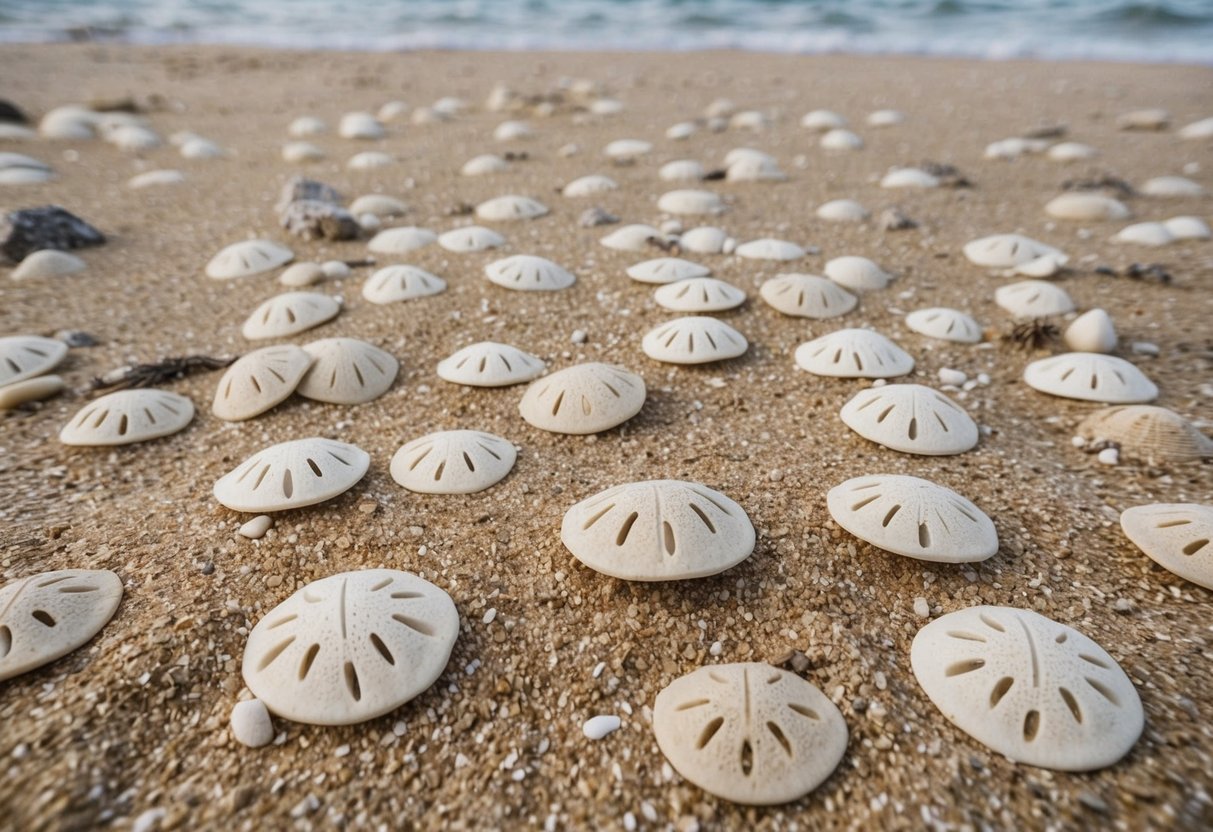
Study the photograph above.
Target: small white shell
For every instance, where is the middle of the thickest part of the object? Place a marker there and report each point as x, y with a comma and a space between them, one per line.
1188, 228
707, 240
247, 258
842, 210
300, 274
489, 364
26, 356
666, 270
755, 170
378, 204
69, 122
128, 416
31, 390
360, 126
690, 202
769, 249
885, 118
393, 284
469, 239
1153, 435
1046, 265
854, 353
627, 149
747, 154
945, 324
1091, 331
1086, 207
1152, 118
820, 121
592, 185
484, 164
509, 131
155, 178
369, 160
909, 178
1033, 299
693, 340
1202, 129
347, 371
453, 462
1071, 152
1177, 536
299, 152
911, 418
509, 208
632, 238
528, 273
681, 131
1171, 187
200, 148
48, 263
807, 296
840, 139
289, 314
582, 399
682, 170
699, 294
859, 274
307, 126
1005, 251
258, 381
292, 474
1090, 377
1145, 234
401, 240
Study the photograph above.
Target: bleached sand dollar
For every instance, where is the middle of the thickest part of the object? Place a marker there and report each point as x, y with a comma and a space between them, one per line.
200, 148
510, 207
1176, 536
48, 263
289, 314
909, 178
913, 517
489, 364
681, 131
1032, 689
248, 258
469, 239
1171, 187
155, 178
528, 273
859, 274
606, 107
351, 647
707, 239
258, 381
769, 249
453, 462
807, 296
26, 356
1151, 118
666, 270
360, 125
401, 240
449, 105
660, 530
31, 390
380, 205
699, 294
128, 416
749, 120
1202, 129
582, 399
1091, 331
1071, 152
693, 339
911, 418
370, 159
1187, 228
842, 210
1033, 299
682, 170
819, 121
1151, 234
690, 202
1005, 251
347, 371
1086, 207
484, 164
306, 126
1154, 435
1090, 377
593, 185
755, 170
840, 139
627, 149
301, 472
854, 353
300, 152
945, 324
23, 175
885, 118
749, 733
633, 237
1046, 265
46, 616
393, 284
510, 131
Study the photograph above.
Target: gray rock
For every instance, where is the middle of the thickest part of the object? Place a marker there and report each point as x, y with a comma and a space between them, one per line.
312, 219
33, 229
299, 188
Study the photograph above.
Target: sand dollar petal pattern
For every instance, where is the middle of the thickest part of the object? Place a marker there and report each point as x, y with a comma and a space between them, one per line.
854, 353
527, 273
584, 398
1177, 536
945, 324
510, 207
489, 364
470, 239
401, 240
1091, 377
699, 294
911, 418
633, 237
289, 314
258, 381
807, 296
1033, 299
1154, 435
1005, 251
26, 356
453, 462
347, 371
393, 284
128, 416
694, 339
301, 472
666, 270
247, 258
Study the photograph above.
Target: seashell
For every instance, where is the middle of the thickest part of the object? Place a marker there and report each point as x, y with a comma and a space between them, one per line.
747, 154
1091, 332
369, 160
1071, 152
589, 186
351, 647
807, 296
690, 202
666, 270
720, 108
1187, 228
511, 207
360, 125
525, 272
69, 122
1172, 186
469, 239
32, 169
632, 238
1153, 435
44, 617
707, 240
302, 472
755, 170
1086, 207
31, 390
453, 462
289, 314
1202, 129
489, 364
126, 417
153, 178
484, 164
200, 148
769, 249
749, 120
301, 274
840, 139
854, 353
583, 399
428, 115
1013, 148
660, 530
859, 274
821, 121
699, 294
1090, 377
693, 340
401, 240
347, 371
26, 356
259, 381
133, 138
1176, 536
681, 131
1149, 119
909, 178
379, 205
48, 263
842, 210
306, 126
627, 149
1047, 265
885, 118
1033, 299
400, 283
248, 258
1005, 251
1145, 234
509, 131
449, 105
606, 107
912, 419
682, 170
1028, 687
335, 270
749, 733
945, 324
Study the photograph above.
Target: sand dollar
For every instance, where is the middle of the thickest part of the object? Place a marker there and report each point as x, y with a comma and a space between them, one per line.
489, 364
393, 284
26, 356
945, 324
527, 273
807, 296
453, 462
347, 371
258, 381
584, 398
247, 258
694, 339
699, 294
1091, 377
1176, 536
289, 314
911, 418
128, 416
854, 353
301, 472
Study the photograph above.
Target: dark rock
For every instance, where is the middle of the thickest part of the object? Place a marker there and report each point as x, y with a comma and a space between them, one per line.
299, 188
892, 219
314, 219
76, 338
10, 112
33, 229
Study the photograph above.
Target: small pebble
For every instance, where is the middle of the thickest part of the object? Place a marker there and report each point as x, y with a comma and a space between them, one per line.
955, 378
597, 727
921, 608
1109, 456
335, 269
256, 528
579, 336
251, 723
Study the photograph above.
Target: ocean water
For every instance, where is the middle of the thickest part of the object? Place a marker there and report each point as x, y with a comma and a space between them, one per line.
1136, 30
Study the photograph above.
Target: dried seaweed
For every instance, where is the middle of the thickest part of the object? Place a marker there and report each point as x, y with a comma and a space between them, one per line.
1106, 182
151, 375
1035, 334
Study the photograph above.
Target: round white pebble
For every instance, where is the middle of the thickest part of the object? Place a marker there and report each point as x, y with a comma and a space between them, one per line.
1109, 456
251, 724
597, 727
256, 528
953, 377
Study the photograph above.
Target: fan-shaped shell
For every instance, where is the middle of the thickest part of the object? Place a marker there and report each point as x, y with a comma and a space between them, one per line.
807, 296
749, 733
911, 418
592, 185
913, 517
842, 210
378, 204
1176, 536
247, 258
699, 294
584, 398
399, 283
1005, 251
401, 240
1152, 434
258, 381
470, 239
351, 647
859, 274
510, 207
289, 314
666, 270
1086, 207
682, 170
945, 324
528, 273
1033, 299
769, 249
693, 339
909, 178
453, 462
690, 202
634, 237
347, 371
707, 240
26, 356
489, 364
360, 125
484, 164
1028, 687
661, 530
46, 616
128, 416
854, 353
1090, 377
48, 263
292, 474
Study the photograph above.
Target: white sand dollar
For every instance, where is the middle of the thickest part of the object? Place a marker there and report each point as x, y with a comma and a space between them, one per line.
155, 178
690, 202
859, 274
1033, 299
699, 294
945, 324
854, 353
510, 207
393, 284
633, 237
1187, 228
1071, 152
489, 364
48, 263
1091, 377
1028, 687
302, 273
755, 170
769, 249
661, 530
1086, 207
31, 390
885, 118
1154, 435
528, 273
378, 204
693, 339
842, 210
1172, 187
911, 418
592, 185
200, 148
909, 178
247, 258
369, 160
258, 381
1005, 251
1046, 265
46, 616
301, 472
289, 314
401, 240
347, 371
509, 131
666, 270
582, 399
453, 462
26, 356
1176, 536
1151, 234
351, 647
746, 154
1151, 118
707, 239
360, 125
749, 733
307, 126
807, 296
484, 164
1091, 331
69, 122
469, 239
840, 139
627, 149
1202, 129
128, 416
682, 170
819, 121
300, 152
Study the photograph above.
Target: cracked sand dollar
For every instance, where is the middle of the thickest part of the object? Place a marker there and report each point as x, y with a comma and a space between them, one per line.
1027, 687
769, 249
44, 617
582, 399
945, 324
694, 339
911, 418
1005, 251
489, 364
854, 353
527, 273
807, 296
1091, 377
699, 294
470, 239
394, 284
301, 472
913, 517
248, 258
1086, 207
690, 202
859, 274
259, 381
401, 240
1176, 536
749, 733
592, 185
510, 207
26, 356
48, 263
289, 314
347, 371
351, 647
707, 240
1154, 435
1033, 299
660, 530
666, 270
453, 462
635, 237
128, 416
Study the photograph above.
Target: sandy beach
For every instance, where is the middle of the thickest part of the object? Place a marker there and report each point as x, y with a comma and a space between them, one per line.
137, 720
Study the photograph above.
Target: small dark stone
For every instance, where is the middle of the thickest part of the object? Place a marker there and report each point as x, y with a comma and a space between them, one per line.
299, 189
76, 338
516, 156
1094, 802
949, 176
715, 175
317, 220
11, 113
592, 217
462, 209
208, 567
33, 229
892, 219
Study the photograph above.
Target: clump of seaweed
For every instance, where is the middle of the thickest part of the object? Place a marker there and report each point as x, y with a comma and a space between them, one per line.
151, 375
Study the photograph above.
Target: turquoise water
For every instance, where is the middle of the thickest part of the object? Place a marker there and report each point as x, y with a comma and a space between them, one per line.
1166, 30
